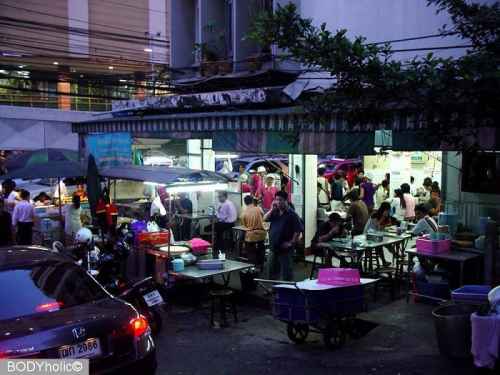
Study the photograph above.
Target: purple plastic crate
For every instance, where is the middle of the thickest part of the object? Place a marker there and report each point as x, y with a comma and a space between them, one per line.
210, 264
291, 304
471, 294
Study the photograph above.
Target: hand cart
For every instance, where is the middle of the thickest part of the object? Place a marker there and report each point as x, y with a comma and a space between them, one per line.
307, 306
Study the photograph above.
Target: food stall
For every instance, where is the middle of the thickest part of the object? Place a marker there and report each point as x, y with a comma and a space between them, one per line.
149, 199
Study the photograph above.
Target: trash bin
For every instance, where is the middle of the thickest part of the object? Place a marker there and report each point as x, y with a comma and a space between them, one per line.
453, 329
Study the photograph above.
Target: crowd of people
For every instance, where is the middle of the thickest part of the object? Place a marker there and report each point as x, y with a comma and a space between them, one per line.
370, 207
264, 201
17, 213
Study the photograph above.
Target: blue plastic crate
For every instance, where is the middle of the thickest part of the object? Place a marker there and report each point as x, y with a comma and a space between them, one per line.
311, 305
471, 294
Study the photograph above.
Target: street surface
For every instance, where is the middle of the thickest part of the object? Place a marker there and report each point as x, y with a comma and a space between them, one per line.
401, 342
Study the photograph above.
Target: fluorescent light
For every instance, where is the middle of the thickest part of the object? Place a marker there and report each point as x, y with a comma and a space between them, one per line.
3, 71
153, 183
227, 156
148, 50
123, 80
55, 63
111, 67
196, 188
21, 66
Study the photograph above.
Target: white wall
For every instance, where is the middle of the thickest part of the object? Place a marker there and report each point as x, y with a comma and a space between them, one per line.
383, 20
24, 128
78, 18
182, 32
158, 30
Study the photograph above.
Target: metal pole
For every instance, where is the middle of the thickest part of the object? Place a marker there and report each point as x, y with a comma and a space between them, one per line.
61, 229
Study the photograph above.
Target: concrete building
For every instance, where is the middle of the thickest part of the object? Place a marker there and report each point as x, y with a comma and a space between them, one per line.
87, 49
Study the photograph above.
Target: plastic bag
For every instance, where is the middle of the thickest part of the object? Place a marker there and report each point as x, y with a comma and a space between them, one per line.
153, 227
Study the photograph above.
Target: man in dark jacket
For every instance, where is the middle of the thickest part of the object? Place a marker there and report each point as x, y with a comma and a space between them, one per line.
284, 233
5, 226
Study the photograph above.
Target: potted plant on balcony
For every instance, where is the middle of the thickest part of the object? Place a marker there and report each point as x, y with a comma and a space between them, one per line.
207, 58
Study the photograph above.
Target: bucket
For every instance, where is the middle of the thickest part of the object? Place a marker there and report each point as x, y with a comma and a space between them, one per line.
178, 265
453, 330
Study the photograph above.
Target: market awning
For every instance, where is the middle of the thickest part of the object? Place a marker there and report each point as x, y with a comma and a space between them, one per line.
161, 175
280, 130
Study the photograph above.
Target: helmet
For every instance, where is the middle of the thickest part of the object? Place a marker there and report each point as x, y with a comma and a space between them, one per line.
261, 169
83, 236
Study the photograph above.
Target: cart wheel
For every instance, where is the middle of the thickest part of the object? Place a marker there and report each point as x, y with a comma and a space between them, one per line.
297, 332
334, 336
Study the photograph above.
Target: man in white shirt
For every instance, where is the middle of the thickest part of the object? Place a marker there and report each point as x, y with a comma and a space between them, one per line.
226, 217
413, 187
425, 224
23, 218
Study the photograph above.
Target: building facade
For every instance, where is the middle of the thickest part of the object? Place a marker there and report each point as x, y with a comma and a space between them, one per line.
81, 54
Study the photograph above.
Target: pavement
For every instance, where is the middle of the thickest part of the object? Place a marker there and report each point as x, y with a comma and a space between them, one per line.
401, 342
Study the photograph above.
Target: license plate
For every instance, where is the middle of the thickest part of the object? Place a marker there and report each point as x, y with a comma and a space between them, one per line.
153, 298
87, 349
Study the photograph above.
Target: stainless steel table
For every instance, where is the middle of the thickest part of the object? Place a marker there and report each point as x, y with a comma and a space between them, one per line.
230, 266
453, 256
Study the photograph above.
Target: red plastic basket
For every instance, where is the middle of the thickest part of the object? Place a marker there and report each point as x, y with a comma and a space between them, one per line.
154, 238
339, 276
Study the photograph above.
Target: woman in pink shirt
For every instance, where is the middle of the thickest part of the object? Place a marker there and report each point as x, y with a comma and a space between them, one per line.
409, 202
267, 193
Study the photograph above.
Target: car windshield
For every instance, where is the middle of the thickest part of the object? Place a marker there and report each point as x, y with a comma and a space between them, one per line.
45, 287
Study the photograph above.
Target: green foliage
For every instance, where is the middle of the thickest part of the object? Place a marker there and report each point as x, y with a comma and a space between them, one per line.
447, 94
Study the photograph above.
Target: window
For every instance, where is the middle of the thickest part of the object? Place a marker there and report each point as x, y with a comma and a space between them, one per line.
54, 285
229, 28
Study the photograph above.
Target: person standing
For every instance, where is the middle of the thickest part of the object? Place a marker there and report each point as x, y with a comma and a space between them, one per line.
72, 218
409, 202
10, 195
426, 193
184, 206
367, 192
226, 217
255, 235
382, 193
398, 205
5, 225
337, 188
323, 190
413, 186
284, 234
435, 200
359, 213
23, 218
267, 193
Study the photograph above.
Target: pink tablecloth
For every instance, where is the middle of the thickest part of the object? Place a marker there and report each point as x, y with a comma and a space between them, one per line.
485, 340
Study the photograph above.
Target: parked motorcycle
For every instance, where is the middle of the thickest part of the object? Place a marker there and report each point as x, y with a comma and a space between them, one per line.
105, 264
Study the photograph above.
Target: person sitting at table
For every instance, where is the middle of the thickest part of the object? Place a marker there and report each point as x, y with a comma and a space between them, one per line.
252, 219
358, 211
329, 230
226, 217
425, 223
377, 222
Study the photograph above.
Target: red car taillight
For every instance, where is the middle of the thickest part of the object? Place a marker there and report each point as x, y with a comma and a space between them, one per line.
139, 326
48, 307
